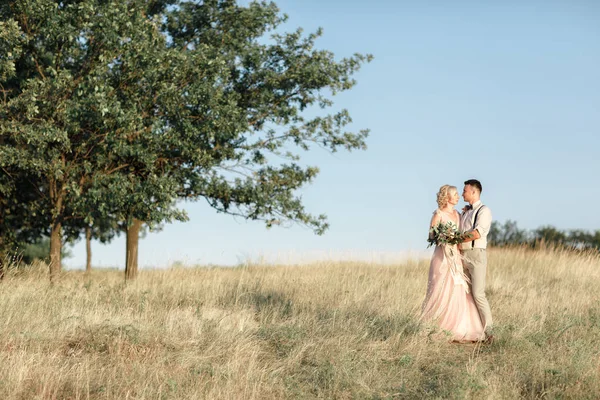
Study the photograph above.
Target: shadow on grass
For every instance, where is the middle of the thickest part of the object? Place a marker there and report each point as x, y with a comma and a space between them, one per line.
262, 301
102, 339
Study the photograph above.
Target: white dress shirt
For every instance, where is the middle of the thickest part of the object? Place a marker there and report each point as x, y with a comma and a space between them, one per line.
483, 225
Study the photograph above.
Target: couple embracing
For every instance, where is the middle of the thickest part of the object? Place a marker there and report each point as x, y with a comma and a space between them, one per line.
455, 298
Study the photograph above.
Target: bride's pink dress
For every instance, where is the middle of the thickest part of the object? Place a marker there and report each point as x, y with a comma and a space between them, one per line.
448, 302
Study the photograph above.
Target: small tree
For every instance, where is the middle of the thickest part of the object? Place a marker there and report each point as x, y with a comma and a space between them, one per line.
549, 235
507, 234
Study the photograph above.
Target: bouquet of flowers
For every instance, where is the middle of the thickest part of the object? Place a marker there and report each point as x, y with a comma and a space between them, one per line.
445, 233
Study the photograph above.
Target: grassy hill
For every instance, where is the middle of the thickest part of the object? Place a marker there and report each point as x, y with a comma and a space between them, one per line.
330, 330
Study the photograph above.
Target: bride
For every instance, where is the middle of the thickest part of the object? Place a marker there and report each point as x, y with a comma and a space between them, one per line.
448, 302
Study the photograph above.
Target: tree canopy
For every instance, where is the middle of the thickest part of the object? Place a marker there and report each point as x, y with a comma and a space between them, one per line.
113, 111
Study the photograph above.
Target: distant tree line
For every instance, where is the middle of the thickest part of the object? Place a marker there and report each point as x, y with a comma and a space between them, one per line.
509, 234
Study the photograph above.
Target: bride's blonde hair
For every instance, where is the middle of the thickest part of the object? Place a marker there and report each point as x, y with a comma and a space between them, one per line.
443, 195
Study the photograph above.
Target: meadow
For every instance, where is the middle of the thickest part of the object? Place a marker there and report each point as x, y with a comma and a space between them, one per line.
317, 331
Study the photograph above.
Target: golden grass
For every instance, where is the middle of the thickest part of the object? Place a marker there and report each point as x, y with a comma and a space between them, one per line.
331, 330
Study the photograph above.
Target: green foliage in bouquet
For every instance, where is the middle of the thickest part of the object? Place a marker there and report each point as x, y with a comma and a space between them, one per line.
445, 233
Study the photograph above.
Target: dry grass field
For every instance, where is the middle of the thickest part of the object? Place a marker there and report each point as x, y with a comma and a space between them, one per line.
327, 331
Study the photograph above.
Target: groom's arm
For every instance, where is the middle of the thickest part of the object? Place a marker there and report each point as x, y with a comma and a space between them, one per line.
481, 228
471, 235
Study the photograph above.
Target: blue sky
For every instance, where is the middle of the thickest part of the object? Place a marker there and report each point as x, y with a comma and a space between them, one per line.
505, 92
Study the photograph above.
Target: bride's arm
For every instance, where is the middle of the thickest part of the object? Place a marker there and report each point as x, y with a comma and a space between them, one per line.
435, 219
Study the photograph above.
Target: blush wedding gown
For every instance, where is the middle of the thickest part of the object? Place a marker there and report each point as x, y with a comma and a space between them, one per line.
448, 302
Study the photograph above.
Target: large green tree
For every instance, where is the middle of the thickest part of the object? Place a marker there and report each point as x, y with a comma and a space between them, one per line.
59, 117
113, 111
215, 99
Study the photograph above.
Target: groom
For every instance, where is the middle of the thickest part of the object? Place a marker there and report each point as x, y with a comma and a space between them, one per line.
476, 221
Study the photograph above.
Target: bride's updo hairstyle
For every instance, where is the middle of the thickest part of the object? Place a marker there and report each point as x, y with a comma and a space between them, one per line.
443, 196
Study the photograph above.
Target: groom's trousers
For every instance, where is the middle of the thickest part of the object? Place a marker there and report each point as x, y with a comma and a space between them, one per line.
475, 261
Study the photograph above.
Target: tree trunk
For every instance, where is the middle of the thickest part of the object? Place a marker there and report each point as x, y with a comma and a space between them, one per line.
57, 198
2, 258
55, 249
88, 249
133, 239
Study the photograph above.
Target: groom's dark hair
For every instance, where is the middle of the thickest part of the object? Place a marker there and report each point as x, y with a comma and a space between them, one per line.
475, 183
